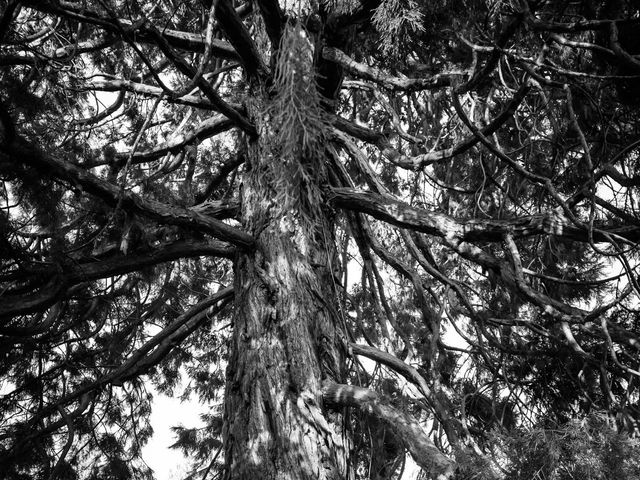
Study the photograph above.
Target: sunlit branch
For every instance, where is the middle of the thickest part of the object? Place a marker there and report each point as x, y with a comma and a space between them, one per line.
422, 449
395, 212
117, 85
386, 80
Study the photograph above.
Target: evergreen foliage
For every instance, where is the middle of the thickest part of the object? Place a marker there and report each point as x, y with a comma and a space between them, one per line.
454, 182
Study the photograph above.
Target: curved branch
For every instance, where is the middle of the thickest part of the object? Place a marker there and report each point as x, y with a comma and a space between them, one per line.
398, 213
164, 341
192, 42
67, 446
422, 449
186, 69
113, 195
206, 129
420, 161
389, 81
103, 114
154, 350
225, 169
61, 281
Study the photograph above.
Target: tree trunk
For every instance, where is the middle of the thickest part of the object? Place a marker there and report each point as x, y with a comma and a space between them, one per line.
285, 339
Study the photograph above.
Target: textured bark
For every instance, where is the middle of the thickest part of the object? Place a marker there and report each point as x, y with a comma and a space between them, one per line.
54, 281
113, 195
404, 426
285, 342
390, 210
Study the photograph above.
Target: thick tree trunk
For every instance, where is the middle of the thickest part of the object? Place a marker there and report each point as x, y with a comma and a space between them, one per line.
285, 342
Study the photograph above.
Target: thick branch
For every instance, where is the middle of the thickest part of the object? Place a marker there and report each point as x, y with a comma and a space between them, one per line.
411, 374
406, 428
398, 213
389, 81
239, 37
13, 305
20, 150
273, 20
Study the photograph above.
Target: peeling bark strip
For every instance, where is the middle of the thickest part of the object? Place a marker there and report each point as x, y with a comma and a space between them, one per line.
406, 428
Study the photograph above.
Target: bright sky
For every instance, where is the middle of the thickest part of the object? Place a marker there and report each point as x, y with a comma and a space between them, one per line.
167, 463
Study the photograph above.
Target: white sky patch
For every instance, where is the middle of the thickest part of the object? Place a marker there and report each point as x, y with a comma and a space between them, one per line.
168, 463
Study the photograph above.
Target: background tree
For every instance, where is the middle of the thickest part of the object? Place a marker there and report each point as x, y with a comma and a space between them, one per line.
254, 197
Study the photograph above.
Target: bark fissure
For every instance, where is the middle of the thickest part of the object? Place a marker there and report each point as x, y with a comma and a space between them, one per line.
284, 341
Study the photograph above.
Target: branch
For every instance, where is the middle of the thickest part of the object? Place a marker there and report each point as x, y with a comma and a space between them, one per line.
67, 446
223, 170
581, 26
116, 85
358, 131
389, 81
11, 10
192, 42
398, 213
505, 35
177, 331
20, 150
420, 161
206, 129
108, 111
406, 428
154, 350
241, 40
274, 20
61, 281
186, 69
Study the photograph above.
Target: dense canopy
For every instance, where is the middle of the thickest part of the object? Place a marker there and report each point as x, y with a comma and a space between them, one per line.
351, 229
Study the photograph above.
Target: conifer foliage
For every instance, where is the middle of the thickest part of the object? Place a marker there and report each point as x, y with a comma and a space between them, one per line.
370, 237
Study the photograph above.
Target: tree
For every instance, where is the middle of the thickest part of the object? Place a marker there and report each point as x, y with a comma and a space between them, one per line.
190, 189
